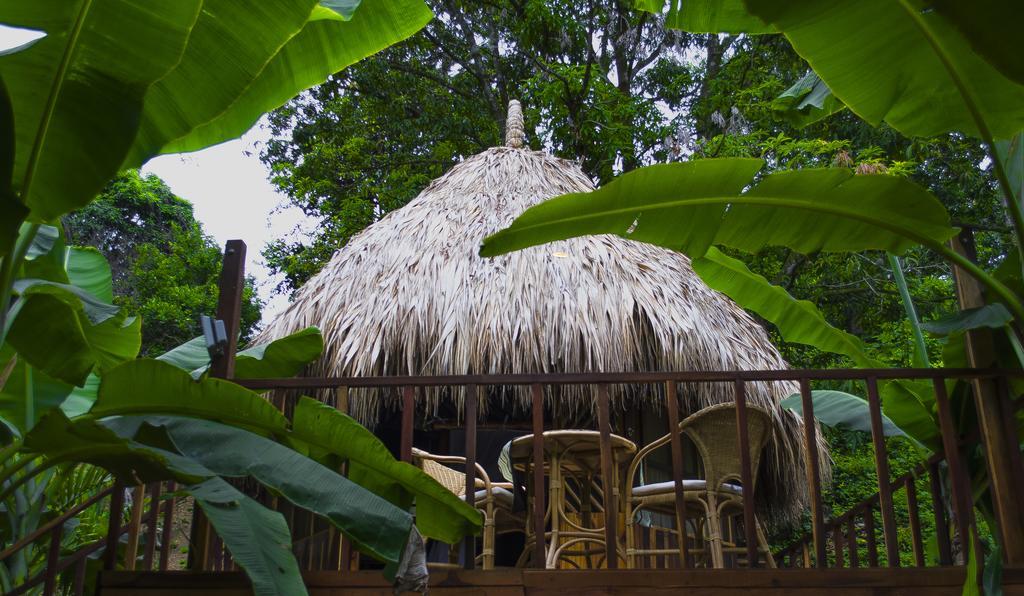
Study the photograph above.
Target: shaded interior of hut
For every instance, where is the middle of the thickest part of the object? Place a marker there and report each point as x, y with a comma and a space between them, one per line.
641, 420
410, 295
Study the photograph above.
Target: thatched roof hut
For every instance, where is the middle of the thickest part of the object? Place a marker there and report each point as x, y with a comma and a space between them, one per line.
410, 296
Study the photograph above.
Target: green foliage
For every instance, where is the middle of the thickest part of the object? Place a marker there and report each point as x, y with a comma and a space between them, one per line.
165, 268
590, 76
284, 357
839, 409
63, 102
258, 538
113, 83
919, 74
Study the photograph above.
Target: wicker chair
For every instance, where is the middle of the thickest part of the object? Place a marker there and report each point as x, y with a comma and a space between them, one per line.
717, 496
493, 499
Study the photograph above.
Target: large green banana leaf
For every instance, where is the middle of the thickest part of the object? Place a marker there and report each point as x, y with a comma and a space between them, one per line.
807, 101
332, 437
842, 410
66, 332
320, 49
323, 433
61, 439
78, 93
88, 269
208, 79
27, 394
145, 386
149, 78
991, 27
693, 205
798, 321
707, 16
284, 357
925, 70
375, 526
12, 211
257, 537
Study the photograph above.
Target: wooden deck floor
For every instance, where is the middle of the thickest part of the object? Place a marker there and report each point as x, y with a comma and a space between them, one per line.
514, 582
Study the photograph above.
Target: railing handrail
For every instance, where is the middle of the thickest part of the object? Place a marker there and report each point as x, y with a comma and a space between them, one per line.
45, 528
833, 374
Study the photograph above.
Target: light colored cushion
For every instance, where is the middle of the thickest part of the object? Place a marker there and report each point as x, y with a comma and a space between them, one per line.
660, 488
502, 496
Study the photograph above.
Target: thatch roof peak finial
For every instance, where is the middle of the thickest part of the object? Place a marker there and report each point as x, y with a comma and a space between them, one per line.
514, 135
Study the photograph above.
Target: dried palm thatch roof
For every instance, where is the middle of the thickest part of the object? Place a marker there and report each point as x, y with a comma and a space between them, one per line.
410, 296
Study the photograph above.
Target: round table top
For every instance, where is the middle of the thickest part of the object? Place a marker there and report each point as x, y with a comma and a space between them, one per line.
581, 446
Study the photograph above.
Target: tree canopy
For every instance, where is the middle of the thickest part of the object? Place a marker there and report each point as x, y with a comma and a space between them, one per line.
165, 269
615, 89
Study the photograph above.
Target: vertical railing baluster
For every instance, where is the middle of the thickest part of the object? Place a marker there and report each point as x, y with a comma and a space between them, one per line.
839, 543
939, 510
151, 526
885, 506
78, 586
608, 475
676, 443
539, 495
341, 548
52, 560
958, 478
165, 540
915, 521
746, 473
408, 408
813, 474
1014, 465
469, 542
851, 541
131, 550
114, 527
869, 533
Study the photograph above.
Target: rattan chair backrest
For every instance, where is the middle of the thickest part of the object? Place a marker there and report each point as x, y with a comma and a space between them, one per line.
449, 478
713, 432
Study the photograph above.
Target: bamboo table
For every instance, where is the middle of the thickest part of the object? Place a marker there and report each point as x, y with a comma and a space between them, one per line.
572, 460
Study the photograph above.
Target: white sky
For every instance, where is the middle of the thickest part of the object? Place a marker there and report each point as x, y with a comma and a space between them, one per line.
228, 186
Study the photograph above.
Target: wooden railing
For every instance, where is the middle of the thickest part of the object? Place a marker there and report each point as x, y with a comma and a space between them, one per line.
66, 573
813, 550
834, 542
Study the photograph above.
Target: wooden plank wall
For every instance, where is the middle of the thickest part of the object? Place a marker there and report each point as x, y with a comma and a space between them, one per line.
514, 582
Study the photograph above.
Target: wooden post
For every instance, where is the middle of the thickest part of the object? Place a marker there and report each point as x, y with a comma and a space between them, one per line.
962, 507
539, 496
341, 547
469, 542
151, 523
52, 561
165, 541
222, 366
813, 474
676, 443
114, 527
408, 409
869, 533
131, 551
939, 509
851, 537
609, 478
892, 551
746, 474
915, 522
229, 306
998, 444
